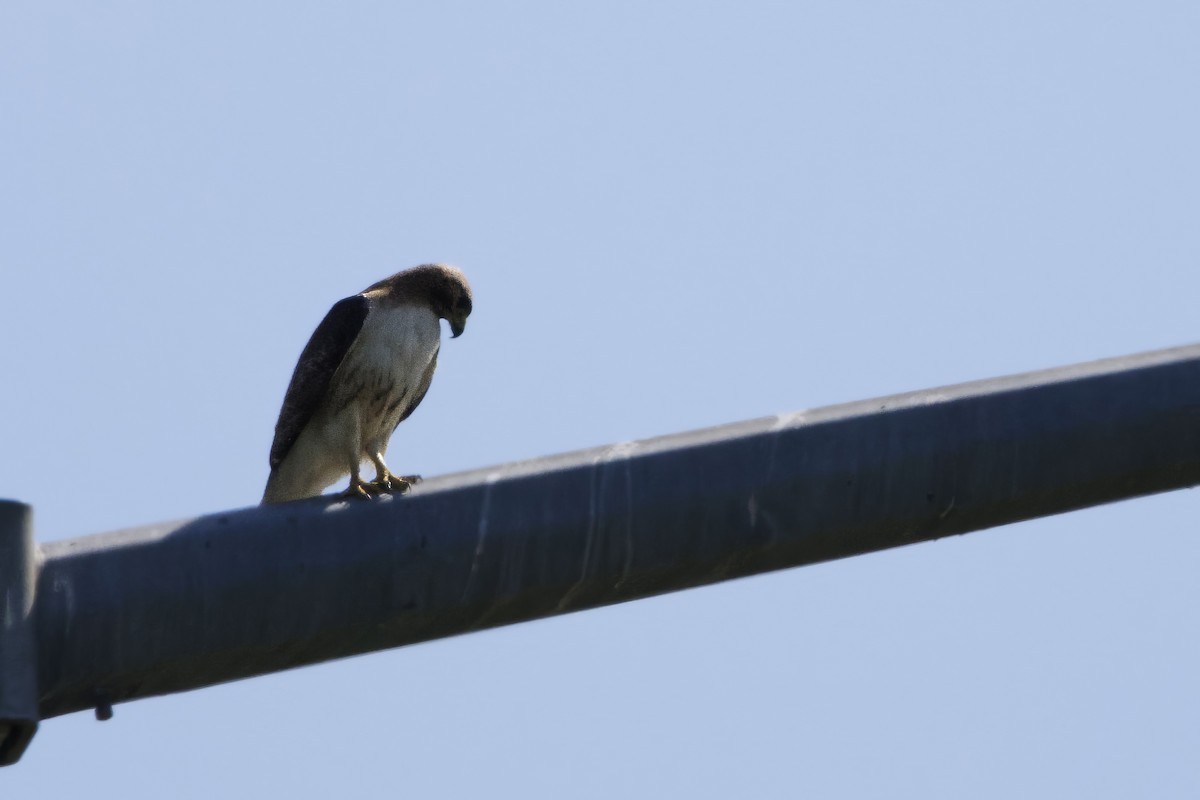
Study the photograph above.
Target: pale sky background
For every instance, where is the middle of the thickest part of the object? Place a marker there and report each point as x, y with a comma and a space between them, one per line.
674, 215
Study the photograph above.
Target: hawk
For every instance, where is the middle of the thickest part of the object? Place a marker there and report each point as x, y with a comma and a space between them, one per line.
366, 368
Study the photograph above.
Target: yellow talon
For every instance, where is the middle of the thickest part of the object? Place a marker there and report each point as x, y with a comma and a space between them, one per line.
361, 489
395, 483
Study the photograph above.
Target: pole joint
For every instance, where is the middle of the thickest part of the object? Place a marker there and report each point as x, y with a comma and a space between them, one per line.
18, 645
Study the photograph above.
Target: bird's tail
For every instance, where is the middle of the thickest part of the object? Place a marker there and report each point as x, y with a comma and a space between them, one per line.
296, 479
274, 492
283, 488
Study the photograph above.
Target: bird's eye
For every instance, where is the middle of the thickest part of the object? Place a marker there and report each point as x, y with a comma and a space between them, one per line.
464, 304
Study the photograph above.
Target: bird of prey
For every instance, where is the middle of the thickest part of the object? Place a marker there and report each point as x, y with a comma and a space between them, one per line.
365, 369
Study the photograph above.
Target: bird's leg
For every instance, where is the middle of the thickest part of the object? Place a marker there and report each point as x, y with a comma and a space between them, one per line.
386, 481
360, 489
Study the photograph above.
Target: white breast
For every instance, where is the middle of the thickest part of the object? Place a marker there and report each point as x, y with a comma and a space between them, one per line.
379, 379
398, 341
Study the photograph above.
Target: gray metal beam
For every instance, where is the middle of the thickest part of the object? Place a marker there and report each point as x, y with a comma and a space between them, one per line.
179, 606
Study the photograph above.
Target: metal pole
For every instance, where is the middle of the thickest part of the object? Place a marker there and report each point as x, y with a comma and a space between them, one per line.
183, 605
18, 651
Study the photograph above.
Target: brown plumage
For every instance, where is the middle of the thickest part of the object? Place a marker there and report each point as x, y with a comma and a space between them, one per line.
366, 368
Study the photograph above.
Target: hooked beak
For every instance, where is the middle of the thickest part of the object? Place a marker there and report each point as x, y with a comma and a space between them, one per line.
457, 326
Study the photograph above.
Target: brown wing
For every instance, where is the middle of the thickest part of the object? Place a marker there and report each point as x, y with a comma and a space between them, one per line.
320, 359
422, 388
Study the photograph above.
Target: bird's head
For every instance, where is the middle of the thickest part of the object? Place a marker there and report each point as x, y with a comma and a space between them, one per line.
442, 286
451, 298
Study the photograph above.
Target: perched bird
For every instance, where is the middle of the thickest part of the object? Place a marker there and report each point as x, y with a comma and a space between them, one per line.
365, 369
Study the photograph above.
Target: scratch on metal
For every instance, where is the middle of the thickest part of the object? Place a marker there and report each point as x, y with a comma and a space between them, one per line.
484, 510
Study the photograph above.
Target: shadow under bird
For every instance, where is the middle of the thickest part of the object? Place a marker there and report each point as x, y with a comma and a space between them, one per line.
366, 368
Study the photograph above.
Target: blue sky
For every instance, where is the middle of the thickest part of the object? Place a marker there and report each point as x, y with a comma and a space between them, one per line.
673, 215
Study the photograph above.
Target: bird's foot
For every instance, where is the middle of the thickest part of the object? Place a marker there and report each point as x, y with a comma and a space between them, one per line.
360, 489
395, 483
